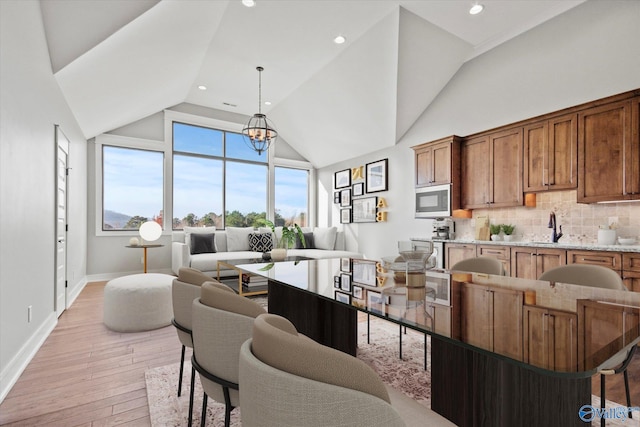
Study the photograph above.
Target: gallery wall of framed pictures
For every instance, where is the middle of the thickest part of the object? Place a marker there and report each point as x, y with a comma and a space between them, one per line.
353, 189
358, 283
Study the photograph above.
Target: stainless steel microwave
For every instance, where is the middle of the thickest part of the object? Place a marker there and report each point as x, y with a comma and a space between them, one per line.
432, 202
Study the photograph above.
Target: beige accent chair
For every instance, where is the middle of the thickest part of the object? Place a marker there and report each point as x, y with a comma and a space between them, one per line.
222, 321
289, 380
185, 288
481, 264
596, 276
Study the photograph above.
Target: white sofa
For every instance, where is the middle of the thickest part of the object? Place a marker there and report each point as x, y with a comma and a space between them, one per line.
232, 243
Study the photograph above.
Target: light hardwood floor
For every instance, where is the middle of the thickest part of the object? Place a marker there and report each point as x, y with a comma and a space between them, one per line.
86, 375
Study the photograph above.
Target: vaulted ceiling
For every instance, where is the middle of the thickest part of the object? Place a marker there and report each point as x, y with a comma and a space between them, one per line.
119, 61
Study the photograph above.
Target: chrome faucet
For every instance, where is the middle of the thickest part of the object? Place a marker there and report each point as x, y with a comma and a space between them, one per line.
555, 236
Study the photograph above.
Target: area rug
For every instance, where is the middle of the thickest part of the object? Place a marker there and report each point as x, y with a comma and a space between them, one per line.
407, 375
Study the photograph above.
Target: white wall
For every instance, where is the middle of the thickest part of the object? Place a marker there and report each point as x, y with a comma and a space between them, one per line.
587, 53
30, 105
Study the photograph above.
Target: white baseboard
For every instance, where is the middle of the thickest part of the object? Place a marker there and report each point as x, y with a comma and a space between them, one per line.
72, 293
18, 364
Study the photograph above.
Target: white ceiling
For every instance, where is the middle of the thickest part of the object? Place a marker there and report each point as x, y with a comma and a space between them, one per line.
118, 61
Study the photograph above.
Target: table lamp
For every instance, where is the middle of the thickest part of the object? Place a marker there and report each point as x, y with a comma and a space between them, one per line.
150, 231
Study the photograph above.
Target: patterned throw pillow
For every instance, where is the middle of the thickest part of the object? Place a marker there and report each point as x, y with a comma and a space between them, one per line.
260, 242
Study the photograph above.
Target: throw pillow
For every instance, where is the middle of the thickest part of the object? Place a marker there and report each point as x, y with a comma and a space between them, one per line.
325, 238
308, 240
260, 242
188, 231
238, 238
203, 243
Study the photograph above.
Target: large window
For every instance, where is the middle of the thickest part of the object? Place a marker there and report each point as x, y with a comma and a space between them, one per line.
291, 196
132, 190
217, 179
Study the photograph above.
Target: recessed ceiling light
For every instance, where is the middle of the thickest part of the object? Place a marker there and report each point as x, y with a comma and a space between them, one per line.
476, 9
202, 87
249, 3
267, 102
339, 40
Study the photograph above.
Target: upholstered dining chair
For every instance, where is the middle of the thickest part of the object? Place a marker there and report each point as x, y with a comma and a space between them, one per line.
288, 379
481, 264
185, 288
222, 321
598, 277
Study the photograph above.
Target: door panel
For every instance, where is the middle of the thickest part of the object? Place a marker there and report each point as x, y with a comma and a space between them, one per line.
61, 222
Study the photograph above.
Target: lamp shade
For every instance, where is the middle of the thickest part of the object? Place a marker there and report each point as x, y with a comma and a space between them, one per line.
150, 231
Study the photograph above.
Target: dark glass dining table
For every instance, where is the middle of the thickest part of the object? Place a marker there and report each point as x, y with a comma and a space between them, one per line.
504, 351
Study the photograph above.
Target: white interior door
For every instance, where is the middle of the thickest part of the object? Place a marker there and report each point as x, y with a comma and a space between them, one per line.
62, 149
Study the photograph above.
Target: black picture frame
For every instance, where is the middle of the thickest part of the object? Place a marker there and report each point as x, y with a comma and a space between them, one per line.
358, 292
357, 190
364, 272
343, 297
345, 265
345, 282
376, 176
342, 179
336, 282
345, 197
345, 216
336, 197
364, 209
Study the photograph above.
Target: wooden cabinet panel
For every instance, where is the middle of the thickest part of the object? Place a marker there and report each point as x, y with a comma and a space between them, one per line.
550, 338
631, 262
598, 322
505, 168
455, 252
492, 319
612, 260
438, 162
563, 152
503, 253
606, 153
530, 263
424, 162
631, 280
551, 154
475, 173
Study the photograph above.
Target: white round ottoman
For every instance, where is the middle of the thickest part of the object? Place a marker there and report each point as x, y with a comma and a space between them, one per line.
139, 302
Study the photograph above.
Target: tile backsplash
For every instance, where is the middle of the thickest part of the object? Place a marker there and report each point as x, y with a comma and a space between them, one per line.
580, 222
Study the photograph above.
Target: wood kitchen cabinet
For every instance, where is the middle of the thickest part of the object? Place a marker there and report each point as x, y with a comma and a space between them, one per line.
530, 263
502, 253
597, 322
551, 154
631, 271
454, 252
492, 319
438, 162
492, 170
612, 260
609, 152
550, 338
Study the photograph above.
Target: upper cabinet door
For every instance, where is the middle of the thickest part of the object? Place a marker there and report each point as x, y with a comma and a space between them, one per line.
475, 173
606, 153
505, 168
551, 154
438, 162
563, 153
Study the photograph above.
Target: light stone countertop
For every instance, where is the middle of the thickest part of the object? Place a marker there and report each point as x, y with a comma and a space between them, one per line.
560, 245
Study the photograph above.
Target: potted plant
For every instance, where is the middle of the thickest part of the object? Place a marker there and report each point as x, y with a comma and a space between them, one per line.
508, 231
286, 241
494, 229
